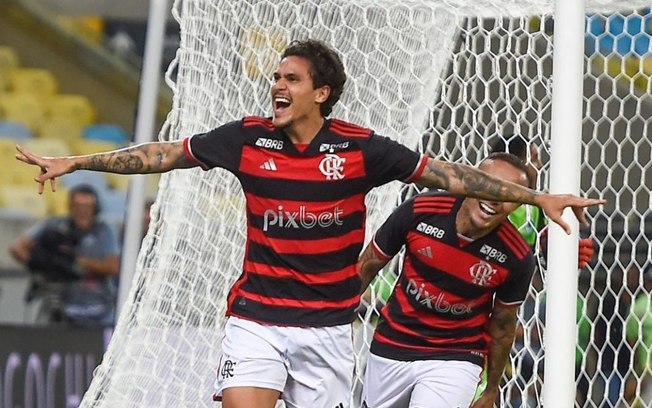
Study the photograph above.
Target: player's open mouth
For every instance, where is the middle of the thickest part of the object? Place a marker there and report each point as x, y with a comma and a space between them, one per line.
281, 103
487, 210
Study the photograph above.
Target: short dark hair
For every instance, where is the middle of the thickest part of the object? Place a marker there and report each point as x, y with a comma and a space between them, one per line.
510, 159
86, 189
515, 144
326, 68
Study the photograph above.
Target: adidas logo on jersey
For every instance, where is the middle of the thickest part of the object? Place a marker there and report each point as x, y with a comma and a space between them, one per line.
269, 165
427, 252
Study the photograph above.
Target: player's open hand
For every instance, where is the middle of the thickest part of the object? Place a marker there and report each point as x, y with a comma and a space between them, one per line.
51, 167
554, 204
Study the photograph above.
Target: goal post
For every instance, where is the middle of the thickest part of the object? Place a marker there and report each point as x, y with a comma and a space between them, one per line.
445, 77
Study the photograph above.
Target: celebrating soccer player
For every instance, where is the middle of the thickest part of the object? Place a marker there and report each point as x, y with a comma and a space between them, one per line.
305, 178
466, 271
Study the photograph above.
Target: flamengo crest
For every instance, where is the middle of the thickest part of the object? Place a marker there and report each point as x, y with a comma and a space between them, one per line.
332, 166
482, 273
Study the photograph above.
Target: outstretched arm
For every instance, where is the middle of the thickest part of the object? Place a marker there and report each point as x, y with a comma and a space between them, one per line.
469, 181
368, 266
502, 329
155, 157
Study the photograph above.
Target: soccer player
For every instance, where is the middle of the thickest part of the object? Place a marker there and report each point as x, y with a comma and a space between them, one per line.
304, 178
466, 271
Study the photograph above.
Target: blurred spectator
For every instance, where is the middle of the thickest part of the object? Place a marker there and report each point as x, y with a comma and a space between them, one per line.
74, 263
638, 388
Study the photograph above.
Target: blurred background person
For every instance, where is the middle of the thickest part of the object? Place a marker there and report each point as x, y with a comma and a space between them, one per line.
74, 263
638, 329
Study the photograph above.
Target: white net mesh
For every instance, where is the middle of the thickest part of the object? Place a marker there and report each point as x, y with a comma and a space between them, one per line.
444, 77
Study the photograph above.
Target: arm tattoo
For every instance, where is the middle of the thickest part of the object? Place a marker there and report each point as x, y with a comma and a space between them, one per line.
469, 181
502, 329
368, 266
145, 158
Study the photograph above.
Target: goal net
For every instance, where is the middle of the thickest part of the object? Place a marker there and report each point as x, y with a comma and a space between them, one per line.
445, 77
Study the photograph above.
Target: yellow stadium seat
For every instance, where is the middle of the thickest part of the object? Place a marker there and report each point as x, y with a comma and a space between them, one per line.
57, 201
23, 198
24, 108
86, 146
8, 62
48, 147
65, 129
8, 58
19, 174
72, 107
34, 81
88, 28
118, 182
7, 150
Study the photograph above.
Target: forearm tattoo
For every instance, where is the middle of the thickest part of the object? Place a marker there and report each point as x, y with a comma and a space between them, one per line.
469, 181
502, 329
145, 158
368, 265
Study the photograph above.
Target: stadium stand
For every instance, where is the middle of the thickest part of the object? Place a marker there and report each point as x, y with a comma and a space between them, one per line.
77, 108
86, 146
15, 131
48, 147
106, 133
23, 108
93, 178
23, 198
34, 81
8, 62
66, 129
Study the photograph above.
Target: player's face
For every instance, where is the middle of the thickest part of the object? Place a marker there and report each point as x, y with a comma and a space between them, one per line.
82, 210
293, 96
482, 216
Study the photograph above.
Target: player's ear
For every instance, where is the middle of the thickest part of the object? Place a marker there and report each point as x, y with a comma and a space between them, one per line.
322, 94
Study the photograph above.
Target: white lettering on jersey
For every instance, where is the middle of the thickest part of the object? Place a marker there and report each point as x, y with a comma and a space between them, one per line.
301, 218
493, 253
436, 301
332, 166
333, 146
269, 143
431, 230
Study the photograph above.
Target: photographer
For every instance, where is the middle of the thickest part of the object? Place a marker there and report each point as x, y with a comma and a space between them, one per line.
74, 263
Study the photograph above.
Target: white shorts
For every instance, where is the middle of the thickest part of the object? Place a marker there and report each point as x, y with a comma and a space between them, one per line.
310, 366
419, 384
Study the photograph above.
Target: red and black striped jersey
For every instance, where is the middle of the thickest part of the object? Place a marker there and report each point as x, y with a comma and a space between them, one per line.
440, 307
305, 214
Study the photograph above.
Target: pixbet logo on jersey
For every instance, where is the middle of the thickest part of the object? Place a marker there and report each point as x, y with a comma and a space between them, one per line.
436, 301
301, 219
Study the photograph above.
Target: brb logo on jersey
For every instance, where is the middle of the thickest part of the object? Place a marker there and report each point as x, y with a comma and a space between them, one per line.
482, 273
269, 143
331, 147
431, 230
493, 253
332, 166
301, 219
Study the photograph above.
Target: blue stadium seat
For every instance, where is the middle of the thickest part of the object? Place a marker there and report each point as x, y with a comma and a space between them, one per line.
14, 130
106, 133
97, 180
